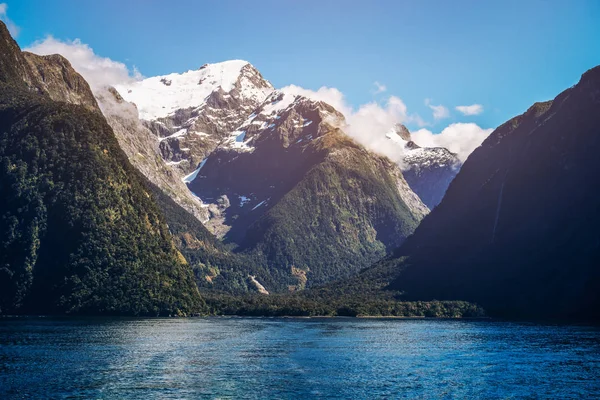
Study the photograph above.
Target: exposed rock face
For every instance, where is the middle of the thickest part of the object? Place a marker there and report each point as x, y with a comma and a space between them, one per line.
142, 149
403, 132
428, 170
49, 75
197, 109
53, 75
13, 66
517, 231
259, 287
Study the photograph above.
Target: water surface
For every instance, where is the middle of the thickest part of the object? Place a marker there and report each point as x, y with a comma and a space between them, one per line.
292, 358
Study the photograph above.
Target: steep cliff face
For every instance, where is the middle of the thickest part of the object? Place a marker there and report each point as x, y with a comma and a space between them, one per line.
79, 232
54, 76
13, 66
142, 149
517, 229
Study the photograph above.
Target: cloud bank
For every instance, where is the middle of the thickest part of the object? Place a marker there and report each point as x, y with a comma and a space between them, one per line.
473, 109
98, 71
369, 124
460, 138
12, 27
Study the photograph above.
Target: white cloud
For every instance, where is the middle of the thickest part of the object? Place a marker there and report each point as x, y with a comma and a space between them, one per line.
439, 112
460, 138
98, 71
379, 88
12, 27
331, 96
473, 109
369, 123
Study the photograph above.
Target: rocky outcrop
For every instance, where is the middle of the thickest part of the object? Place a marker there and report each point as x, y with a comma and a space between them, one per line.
198, 109
53, 75
142, 149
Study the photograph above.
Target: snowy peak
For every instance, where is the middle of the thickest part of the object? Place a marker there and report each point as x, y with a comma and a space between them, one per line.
286, 118
428, 170
161, 96
280, 102
417, 156
192, 113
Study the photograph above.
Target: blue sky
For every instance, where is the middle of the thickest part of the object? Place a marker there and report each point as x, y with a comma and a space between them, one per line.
504, 55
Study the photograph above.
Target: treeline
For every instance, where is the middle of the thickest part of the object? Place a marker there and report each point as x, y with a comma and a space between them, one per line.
302, 306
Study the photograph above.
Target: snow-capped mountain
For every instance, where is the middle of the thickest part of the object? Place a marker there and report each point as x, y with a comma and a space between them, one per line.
191, 113
274, 173
428, 170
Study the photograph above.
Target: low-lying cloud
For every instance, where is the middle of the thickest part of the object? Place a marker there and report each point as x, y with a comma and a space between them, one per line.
460, 138
98, 71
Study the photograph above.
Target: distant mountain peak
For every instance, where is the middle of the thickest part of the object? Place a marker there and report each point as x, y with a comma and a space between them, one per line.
161, 96
402, 131
428, 170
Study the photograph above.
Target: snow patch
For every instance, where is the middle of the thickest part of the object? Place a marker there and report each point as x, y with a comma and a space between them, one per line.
189, 178
240, 138
280, 102
244, 200
177, 134
154, 99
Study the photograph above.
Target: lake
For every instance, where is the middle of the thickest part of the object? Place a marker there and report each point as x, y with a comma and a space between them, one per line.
295, 358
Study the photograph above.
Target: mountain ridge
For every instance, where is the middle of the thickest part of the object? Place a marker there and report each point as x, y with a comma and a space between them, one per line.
515, 231
80, 234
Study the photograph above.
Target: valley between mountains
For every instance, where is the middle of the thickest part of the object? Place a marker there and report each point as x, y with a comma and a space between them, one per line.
212, 192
